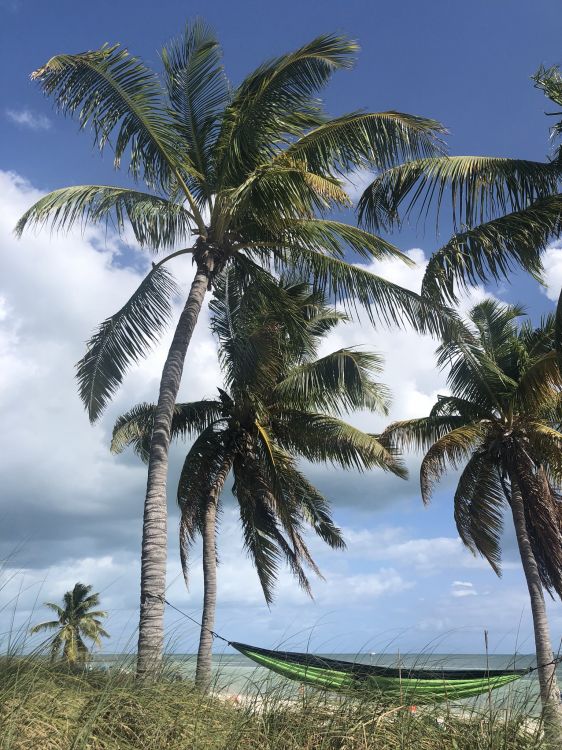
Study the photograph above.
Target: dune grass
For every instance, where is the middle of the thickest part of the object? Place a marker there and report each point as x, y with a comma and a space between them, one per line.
43, 707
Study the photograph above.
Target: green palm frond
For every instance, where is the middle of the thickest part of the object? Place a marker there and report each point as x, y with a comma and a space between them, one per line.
492, 250
206, 458
198, 92
479, 507
320, 437
259, 526
538, 381
358, 139
480, 188
421, 433
313, 506
276, 102
340, 381
449, 452
157, 223
135, 426
332, 237
124, 338
115, 94
354, 287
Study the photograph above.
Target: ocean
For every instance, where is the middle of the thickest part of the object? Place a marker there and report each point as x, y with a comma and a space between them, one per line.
234, 674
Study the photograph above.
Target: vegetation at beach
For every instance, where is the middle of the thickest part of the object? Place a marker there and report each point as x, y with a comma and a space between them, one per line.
53, 709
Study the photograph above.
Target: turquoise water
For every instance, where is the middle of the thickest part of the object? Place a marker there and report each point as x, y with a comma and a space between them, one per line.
235, 674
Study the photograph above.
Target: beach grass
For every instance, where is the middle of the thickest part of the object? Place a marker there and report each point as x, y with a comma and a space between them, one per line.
44, 707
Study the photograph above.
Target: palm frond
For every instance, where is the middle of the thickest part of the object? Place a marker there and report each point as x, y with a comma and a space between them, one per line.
332, 237
123, 339
135, 426
114, 93
276, 102
340, 382
359, 139
157, 223
494, 249
41, 626
479, 508
354, 287
202, 465
198, 91
449, 452
320, 437
480, 188
421, 433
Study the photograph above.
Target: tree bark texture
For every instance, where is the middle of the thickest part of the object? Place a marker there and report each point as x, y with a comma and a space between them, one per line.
154, 536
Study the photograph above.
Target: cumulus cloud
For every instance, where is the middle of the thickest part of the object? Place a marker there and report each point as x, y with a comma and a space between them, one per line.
28, 119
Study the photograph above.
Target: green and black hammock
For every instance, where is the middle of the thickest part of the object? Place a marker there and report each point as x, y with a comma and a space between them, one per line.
404, 685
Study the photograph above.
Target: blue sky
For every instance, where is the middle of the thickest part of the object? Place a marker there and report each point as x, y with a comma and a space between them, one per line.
405, 577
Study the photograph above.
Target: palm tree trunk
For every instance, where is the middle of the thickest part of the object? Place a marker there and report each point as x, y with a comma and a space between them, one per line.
154, 533
205, 651
550, 694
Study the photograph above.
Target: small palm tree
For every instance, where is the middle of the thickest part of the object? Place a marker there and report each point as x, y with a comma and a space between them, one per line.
500, 425
505, 211
237, 176
77, 620
276, 410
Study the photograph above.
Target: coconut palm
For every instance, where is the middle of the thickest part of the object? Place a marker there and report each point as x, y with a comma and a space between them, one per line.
241, 176
500, 425
505, 211
278, 408
77, 620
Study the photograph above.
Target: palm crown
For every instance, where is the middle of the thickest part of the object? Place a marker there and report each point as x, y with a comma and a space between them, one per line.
273, 413
241, 175
500, 426
77, 620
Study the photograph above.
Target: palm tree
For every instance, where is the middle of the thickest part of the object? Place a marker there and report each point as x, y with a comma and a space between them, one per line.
276, 410
505, 211
242, 176
500, 425
77, 620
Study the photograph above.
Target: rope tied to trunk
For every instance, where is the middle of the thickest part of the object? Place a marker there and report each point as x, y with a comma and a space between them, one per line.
189, 617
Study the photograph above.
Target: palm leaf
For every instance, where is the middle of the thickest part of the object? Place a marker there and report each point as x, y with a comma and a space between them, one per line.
275, 102
198, 92
115, 93
480, 188
320, 437
479, 506
421, 433
156, 222
135, 426
353, 287
493, 250
339, 382
124, 338
358, 139
449, 451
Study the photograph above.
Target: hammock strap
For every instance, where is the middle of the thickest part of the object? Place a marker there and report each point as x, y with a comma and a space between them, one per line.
189, 617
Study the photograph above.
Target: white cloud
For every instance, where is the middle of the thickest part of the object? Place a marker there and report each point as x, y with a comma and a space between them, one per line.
28, 119
552, 262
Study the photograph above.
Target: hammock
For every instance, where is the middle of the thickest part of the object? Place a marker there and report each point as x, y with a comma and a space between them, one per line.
404, 685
